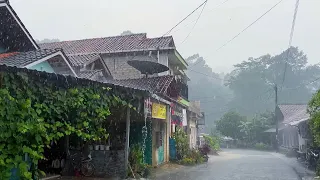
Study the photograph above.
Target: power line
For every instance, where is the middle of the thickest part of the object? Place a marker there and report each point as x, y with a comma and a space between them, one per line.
219, 5
207, 11
249, 25
195, 22
290, 40
237, 35
185, 17
159, 39
303, 85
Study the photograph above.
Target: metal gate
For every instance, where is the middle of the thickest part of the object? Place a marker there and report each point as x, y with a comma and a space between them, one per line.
172, 149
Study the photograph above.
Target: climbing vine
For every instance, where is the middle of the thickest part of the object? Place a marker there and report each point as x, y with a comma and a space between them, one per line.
35, 111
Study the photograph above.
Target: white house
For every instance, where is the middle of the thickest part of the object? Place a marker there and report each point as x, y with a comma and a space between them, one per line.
293, 131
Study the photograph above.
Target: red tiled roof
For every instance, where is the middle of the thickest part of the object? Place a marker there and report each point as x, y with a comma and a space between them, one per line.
21, 59
5, 55
125, 43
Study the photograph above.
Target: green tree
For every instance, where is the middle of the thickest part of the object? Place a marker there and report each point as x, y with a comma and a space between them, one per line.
37, 110
314, 123
182, 144
207, 87
254, 128
252, 81
230, 125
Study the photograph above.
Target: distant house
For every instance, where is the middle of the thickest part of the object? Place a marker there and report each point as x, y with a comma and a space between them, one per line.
194, 121
293, 130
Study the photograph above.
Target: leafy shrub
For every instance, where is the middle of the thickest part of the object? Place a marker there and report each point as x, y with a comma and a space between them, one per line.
136, 157
262, 146
196, 156
213, 142
136, 161
187, 161
182, 144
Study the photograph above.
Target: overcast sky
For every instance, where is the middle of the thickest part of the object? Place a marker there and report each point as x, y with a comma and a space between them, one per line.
78, 19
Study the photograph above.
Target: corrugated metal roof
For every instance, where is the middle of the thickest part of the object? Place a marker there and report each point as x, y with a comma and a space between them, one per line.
293, 112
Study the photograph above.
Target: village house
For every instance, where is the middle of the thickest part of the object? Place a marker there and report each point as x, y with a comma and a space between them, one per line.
106, 60
293, 131
19, 50
194, 116
171, 85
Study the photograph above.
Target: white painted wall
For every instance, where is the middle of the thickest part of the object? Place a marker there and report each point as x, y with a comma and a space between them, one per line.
302, 143
290, 137
193, 134
120, 69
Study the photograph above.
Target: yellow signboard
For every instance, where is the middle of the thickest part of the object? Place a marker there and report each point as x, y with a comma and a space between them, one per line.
159, 111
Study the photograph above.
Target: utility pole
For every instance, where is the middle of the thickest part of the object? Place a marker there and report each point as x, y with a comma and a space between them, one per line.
275, 116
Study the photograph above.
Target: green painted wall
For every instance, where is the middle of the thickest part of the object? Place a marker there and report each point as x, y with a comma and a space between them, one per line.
44, 66
136, 138
161, 154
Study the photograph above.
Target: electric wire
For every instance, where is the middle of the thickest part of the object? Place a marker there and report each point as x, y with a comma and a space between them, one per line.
237, 35
290, 41
195, 23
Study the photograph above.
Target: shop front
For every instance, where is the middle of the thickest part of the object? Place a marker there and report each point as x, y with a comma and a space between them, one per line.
177, 117
159, 132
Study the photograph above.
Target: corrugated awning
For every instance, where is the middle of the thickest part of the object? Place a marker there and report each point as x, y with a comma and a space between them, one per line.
273, 130
298, 121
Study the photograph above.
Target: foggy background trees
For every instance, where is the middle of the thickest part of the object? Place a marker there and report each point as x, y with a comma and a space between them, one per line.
249, 89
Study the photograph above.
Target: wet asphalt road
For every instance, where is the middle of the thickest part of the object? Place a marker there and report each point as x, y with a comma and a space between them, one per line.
237, 165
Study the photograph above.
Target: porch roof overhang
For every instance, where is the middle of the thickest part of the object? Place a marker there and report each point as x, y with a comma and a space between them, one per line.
59, 80
273, 130
159, 98
295, 123
177, 60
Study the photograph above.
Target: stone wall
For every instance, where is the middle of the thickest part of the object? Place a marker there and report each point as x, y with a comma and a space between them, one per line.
108, 163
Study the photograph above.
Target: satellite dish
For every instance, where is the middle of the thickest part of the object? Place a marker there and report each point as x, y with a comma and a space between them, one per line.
148, 67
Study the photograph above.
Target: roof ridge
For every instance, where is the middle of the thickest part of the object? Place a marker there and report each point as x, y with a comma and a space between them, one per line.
97, 38
90, 70
144, 78
293, 104
84, 54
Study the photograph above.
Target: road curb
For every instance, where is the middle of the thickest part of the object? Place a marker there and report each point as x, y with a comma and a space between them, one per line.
302, 172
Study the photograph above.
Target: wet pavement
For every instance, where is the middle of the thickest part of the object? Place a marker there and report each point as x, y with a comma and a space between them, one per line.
232, 164
239, 165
